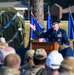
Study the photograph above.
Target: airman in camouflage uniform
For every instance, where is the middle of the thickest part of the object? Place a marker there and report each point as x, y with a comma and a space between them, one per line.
29, 60
40, 56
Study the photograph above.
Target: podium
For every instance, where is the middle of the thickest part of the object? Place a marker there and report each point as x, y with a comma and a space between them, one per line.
48, 46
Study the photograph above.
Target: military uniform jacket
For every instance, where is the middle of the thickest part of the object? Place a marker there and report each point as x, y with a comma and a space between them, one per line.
32, 71
59, 36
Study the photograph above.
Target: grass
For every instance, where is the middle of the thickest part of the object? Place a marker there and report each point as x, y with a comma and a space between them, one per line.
63, 24
27, 30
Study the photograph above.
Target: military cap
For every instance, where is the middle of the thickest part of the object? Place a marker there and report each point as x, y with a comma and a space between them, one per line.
55, 21
40, 52
54, 60
29, 53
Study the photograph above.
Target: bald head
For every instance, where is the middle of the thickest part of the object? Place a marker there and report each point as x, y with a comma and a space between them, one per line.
12, 60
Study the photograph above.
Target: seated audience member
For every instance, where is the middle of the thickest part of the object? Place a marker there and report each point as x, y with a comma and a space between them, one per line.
9, 71
7, 50
66, 51
53, 62
29, 60
63, 47
12, 61
67, 66
40, 56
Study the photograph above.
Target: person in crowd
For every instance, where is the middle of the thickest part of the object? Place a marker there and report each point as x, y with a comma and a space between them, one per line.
4, 52
67, 66
66, 51
8, 50
12, 61
53, 62
9, 71
29, 60
39, 58
3, 43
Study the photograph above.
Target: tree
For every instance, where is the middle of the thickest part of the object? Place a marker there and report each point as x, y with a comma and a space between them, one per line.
38, 10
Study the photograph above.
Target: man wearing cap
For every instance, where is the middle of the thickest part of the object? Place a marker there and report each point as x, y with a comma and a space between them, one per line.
28, 60
53, 62
55, 34
39, 58
67, 66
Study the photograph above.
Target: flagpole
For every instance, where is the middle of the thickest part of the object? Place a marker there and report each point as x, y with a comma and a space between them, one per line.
70, 8
48, 8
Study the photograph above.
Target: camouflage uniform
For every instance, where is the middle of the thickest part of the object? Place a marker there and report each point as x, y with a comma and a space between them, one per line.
28, 54
9, 71
39, 55
32, 71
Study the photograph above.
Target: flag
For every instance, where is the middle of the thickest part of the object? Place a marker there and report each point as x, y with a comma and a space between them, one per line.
48, 22
31, 30
39, 28
38, 25
70, 27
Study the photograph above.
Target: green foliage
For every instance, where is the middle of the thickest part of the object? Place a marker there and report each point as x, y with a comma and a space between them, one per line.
7, 9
